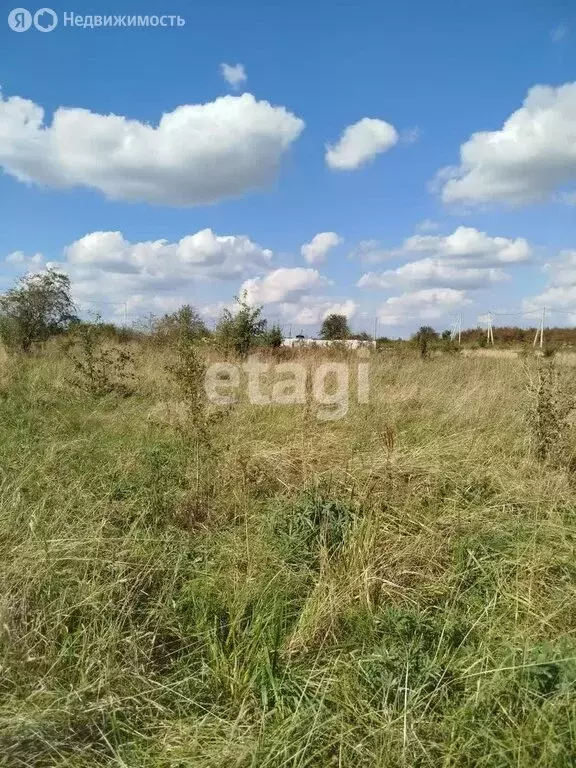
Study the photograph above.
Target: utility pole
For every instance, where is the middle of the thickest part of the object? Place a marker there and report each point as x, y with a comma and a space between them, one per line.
490, 330
290, 331
375, 330
540, 329
457, 329
126, 314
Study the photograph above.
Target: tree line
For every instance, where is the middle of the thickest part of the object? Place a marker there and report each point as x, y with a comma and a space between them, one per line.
40, 306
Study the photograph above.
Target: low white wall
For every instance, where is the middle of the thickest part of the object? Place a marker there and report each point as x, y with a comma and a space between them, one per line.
350, 343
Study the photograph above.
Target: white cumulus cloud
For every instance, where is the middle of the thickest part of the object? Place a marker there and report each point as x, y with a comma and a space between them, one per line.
531, 158
560, 291
360, 143
20, 259
234, 74
196, 154
467, 245
466, 259
316, 250
312, 310
428, 272
106, 269
283, 285
429, 304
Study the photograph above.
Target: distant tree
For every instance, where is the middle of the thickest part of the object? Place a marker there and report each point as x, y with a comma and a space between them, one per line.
273, 337
426, 331
105, 331
446, 335
38, 307
243, 330
423, 336
362, 336
185, 321
335, 327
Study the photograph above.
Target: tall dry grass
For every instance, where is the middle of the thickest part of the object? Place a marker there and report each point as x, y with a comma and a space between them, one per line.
395, 588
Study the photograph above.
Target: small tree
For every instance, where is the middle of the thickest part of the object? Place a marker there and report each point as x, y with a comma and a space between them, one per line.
241, 331
423, 337
99, 369
185, 320
273, 337
335, 327
38, 307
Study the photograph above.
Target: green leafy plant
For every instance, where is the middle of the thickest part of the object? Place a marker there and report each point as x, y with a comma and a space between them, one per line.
335, 327
243, 330
99, 369
273, 337
38, 307
423, 338
552, 400
315, 525
170, 327
199, 427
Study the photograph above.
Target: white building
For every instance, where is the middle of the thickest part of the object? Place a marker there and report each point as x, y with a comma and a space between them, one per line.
349, 343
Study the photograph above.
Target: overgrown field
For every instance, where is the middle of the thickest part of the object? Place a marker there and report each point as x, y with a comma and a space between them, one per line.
252, 586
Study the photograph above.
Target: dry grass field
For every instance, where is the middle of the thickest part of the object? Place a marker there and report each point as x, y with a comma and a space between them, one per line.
183, 585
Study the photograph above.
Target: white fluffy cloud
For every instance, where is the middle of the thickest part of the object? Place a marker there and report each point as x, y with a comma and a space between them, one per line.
202, 255
428, 305
429, 272
293, 295
283, 285
467, 246
360, 143
316, 250
312, 310
20, 259
107, 269
466, 259
530, 158
197, 154
560, 292
234, 74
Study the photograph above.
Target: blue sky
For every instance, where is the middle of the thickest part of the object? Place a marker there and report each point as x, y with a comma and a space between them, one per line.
500, 234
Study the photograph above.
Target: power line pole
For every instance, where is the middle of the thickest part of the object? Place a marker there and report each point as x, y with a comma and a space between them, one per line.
490, 330
540, 330
375, 330
457, 329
